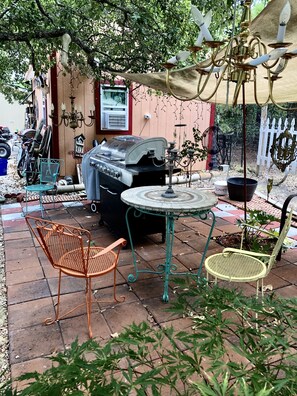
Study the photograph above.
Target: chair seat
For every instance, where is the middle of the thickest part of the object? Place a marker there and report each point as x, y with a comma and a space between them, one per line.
97, 266
39, 187
235, 267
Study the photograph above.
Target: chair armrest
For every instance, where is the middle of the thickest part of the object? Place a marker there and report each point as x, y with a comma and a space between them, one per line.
262, 230
246, 252
120, 241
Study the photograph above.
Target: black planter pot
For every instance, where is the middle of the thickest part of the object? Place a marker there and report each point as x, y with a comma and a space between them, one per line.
236, 188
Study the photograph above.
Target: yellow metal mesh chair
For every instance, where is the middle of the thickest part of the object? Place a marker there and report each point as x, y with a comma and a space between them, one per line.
69, 250
238, 265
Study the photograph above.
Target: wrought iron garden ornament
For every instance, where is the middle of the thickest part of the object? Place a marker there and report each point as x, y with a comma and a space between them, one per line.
283, 150
236, 60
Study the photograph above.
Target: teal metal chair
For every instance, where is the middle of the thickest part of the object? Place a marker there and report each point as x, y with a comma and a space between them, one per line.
48, 174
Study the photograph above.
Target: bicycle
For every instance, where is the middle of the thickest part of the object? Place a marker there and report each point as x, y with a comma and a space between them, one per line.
33, 149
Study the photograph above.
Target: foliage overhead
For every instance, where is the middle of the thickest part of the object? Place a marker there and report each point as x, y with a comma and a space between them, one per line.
107, 36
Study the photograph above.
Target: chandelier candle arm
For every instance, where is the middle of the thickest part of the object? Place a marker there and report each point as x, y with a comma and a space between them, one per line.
275, 54
179, 57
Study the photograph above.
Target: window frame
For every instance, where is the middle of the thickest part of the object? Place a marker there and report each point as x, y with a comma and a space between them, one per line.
98, 100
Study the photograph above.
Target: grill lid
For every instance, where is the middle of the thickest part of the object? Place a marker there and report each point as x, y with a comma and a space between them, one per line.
131, 149
116, 148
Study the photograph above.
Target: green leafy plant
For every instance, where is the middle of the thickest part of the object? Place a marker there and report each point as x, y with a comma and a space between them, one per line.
221, 352
259, 235
196, 147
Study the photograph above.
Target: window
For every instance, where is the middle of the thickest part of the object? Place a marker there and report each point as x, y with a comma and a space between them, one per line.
114, 108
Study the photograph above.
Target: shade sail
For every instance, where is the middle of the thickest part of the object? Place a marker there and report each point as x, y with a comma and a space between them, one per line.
184, 81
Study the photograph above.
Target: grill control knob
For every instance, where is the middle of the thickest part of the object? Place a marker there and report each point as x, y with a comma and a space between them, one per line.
117, 174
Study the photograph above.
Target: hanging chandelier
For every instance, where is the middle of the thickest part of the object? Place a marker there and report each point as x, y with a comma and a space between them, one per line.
74, 118
235, 61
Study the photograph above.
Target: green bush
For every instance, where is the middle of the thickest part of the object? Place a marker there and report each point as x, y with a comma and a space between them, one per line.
226, 350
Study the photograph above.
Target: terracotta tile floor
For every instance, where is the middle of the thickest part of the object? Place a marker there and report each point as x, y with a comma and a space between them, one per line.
32, 282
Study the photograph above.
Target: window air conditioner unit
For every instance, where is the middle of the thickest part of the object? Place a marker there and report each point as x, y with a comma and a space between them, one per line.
115, 120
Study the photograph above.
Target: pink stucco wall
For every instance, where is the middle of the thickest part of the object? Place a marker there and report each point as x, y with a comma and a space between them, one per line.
165, 112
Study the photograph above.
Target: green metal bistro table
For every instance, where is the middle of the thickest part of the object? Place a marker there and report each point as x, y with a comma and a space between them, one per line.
188, 202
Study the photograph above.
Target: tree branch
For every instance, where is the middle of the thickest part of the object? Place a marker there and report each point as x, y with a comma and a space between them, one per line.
42, 12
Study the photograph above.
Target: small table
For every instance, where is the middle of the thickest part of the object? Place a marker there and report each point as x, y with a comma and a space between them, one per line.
188, 202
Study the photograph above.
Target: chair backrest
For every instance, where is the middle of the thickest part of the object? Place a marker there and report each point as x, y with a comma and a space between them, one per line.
280, 241
61, 241
49, 170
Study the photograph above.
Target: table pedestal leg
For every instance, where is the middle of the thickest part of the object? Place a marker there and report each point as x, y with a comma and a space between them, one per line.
169, 246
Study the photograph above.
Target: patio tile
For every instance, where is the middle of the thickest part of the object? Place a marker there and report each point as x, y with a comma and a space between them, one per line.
7, 211
27, 291
49, 270
181, 247
177, 265
229, 228
123, 315
191, 261
124, 295
76, 299
220, 221
22, 243
24, 275
46, 341
201, 228
224, 207
290, 255
287, 272
77, 328
148, 288
22, 263
39, 364
126, 270
15, 225
275, 280
12, 216
68, 285
159, 310
71, 204
30, 313
10, 206
224, 214
12, 236
20, 253
150, 252
287, 292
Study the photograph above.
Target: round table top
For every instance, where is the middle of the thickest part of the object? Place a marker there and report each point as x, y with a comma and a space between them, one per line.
150, 198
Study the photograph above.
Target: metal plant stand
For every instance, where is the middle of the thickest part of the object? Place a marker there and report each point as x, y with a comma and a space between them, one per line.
185, 203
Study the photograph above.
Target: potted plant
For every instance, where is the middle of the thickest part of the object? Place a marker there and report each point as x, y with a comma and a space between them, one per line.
236, 188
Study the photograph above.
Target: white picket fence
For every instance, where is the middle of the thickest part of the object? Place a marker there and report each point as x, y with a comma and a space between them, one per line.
266, 136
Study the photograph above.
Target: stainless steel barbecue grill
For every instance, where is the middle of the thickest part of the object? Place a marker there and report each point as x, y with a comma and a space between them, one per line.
122, 163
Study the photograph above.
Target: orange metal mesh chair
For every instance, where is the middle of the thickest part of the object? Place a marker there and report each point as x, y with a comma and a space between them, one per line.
69, 250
